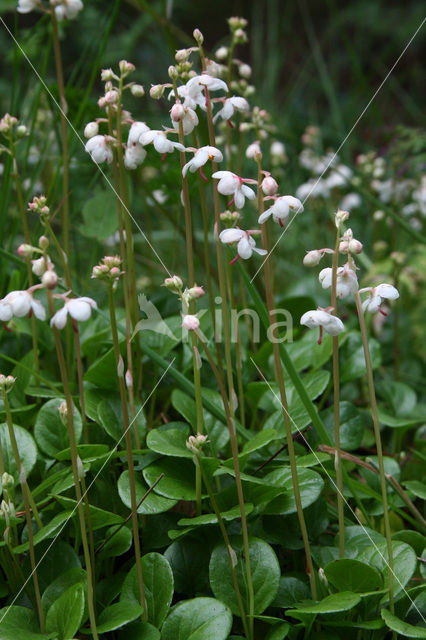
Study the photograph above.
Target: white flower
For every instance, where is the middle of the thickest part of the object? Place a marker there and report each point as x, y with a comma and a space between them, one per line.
246, 244
253, 151
280, 210
78, 308
91, 129
190, 322
135, 154
100, 149
160, 141
25, 6
201, 156
231, 184
315, 188
339, 176
346, 282
186, 115
350, 201
377, 295
193, 91
323, 319
229, 107
20, 304
67, 9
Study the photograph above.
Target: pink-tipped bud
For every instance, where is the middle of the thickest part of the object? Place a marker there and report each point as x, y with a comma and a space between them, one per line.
43, 242
126, 67
355, 246
174, 284
190, 322
177, 112
344, 247
25, 250
49, 279
312, 258
129, 379
107, 75
269, 186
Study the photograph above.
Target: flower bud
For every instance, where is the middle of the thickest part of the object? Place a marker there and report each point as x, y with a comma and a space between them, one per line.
222, 53
137, 90
112, 96
156, 91
126, 68
193, 293
240, 36
177, 112
120, 367
182, 55
63, 412
49, 279
253, 151
340, 217
43, 242
25, 250
174, 284
6, 382
107, 75
7, 482
230, 217
269, 186
129, 379
198, 37
195, 443
312, 258
190, 322
21, 131
245, 70
7, 123
173, 72
355, 246
91, 129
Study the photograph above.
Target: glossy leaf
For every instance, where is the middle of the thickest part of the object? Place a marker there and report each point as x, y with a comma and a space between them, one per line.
198, 619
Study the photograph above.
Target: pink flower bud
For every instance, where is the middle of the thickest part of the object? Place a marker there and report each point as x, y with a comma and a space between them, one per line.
49, 279
355, 246
25, 250
269, 186
177, 112
312, 258
191, 323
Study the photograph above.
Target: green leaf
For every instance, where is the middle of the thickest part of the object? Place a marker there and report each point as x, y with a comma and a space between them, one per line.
99, 216
278, 632
158, 585
120, 542
198, 619
265, 571
189, 560
48, 531
352, 357
343, 601
103, 372
351, 425
53, 560
20, 623
170, 440
117, 615
64, 581
110, 416
153, 503
261, 439
139, 631
178, 482
26, 447
50, 432
416, 487
400, 397
66, 613
352, 575
210, 518
99, 517
310, 485
403, 628
404, 562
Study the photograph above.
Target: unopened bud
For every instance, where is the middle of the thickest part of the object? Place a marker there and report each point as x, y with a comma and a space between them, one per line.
174, 283
173, 72
198, 37
120, 367
25, 250
156, 91
245, 70
43, 242
91, 129
240, 36
355, 246
195, 443
312, 258
6, 382
137, 90
126, 68
253, 151
63, 412
231, 218
129, 379
340, 217
111, 97
49, 279
269, 186
80, 468
21, 131
190, 322
7, 482
177, 112
222, 53
107, 75
182, 55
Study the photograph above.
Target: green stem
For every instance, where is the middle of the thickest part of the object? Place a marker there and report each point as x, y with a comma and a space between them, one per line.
336, 403
376, 425
234, 448
283, 396
74, 464
26, 496
80, 380
63, 104
135, 524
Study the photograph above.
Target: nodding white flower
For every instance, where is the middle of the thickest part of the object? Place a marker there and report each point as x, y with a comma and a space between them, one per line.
280, 210
91, 129
201, 156
350, 201
193, 93
377, 295
135, 154
231, 184
78, 308
230, 105
160, 141
346, 282
67, 9
246, 244
184, 114
20, 304
253, 151
269, 186
100, 149
25, 6
324, 320
39, 266
339, 176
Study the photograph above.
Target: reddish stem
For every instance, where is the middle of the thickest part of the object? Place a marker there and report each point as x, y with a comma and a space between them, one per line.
5, 327
163, 157
383, 312
231, 202
281, 222
235, 259
202, 175
30, 313
230, 124
320, 335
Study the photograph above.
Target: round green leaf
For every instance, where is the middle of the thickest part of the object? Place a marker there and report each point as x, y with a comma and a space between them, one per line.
66, 613
119, 543
26, 446
50, 432
170, 440
158, 586
404, 562
351, 425
153, 503
189, 560
310, 485
403, 628
19, 623
290, 591
198, 619
63, 582
179, 478
117, 615
352, 575
139, 631
343, 601
265, 571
